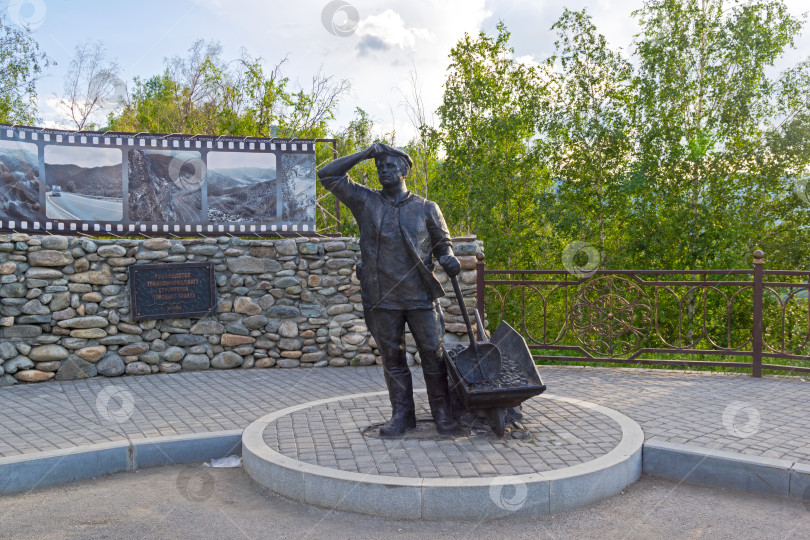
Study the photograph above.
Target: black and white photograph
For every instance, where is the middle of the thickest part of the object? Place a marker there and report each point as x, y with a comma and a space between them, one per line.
241, 187
298, 188
165, 186
19, 181
83, 183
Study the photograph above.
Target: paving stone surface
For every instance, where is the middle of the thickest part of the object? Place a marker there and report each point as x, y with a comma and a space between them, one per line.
738, 413
557, 435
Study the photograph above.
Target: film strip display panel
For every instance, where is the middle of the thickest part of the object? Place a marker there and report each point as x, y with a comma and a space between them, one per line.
125, 184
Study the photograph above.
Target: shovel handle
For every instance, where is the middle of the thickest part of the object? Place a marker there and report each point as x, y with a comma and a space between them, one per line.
464, 314
481, 333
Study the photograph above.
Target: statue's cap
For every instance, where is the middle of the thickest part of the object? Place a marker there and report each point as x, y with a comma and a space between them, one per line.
398, 152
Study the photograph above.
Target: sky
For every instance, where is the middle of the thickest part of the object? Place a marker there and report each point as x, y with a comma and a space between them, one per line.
235, 160
374, 44
87, 157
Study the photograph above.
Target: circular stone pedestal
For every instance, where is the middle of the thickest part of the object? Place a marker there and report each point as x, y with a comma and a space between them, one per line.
571, 453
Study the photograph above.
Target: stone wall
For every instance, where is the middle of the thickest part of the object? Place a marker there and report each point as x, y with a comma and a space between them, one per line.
64, 307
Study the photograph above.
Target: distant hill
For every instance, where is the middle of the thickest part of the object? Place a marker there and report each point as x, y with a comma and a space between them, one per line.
254, 203
220, 180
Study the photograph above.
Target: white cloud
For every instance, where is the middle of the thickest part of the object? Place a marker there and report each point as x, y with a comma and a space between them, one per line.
390, 38
388, 29
528, 60
57, 114
52, 124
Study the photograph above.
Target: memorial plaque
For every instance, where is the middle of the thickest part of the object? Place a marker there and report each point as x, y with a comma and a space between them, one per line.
172, 291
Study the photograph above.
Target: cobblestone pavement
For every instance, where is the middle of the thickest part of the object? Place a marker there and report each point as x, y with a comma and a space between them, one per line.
764, 417
558, 435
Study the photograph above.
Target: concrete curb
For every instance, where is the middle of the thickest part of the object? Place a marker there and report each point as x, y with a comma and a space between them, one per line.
680, 462
30, 471
445, 498
719, 468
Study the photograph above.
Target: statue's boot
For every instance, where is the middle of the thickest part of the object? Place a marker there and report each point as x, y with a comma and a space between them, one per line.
400, 392
439, 399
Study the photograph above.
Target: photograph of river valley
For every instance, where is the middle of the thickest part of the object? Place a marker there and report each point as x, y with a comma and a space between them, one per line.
241, 187
165, 186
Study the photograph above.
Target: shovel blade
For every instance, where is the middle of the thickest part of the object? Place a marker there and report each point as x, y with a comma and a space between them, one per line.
489, 360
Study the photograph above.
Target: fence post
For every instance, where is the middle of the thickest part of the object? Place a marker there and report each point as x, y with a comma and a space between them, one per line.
756, 338
479, 291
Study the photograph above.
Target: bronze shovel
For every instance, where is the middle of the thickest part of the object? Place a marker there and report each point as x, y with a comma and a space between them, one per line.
481, 361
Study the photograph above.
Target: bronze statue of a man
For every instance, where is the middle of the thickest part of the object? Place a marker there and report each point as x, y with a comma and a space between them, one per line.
400, 233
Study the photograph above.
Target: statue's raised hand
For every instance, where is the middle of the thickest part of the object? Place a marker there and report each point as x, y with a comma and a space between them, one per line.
375, 150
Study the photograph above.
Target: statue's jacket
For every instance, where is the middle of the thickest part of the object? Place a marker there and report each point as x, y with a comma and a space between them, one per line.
423, 228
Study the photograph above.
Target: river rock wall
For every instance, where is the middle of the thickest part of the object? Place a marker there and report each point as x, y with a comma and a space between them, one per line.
282, 303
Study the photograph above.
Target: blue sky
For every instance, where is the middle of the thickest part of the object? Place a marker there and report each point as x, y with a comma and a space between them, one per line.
380, 46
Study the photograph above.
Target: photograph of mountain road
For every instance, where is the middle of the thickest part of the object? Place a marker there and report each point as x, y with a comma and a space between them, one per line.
19, 181
298, 188
84, 183
165, 186
241, 187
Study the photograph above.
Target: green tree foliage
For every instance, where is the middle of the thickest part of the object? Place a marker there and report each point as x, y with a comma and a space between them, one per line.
358, 135
788, 142
424, 147
586, 136
21, 64
203, 94
692, 159
492, 177
711, 158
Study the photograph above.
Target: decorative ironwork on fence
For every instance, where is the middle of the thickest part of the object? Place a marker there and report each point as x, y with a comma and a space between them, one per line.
632, 316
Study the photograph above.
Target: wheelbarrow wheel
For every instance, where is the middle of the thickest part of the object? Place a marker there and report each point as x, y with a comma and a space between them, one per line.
498, 421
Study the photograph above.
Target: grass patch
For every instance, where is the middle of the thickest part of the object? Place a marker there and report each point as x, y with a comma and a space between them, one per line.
697, 357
